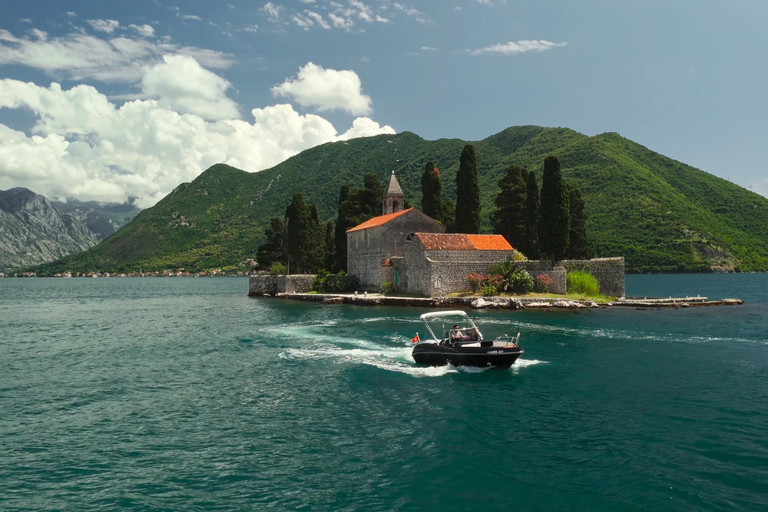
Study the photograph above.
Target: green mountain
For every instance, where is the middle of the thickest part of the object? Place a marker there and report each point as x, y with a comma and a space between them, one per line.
662, 215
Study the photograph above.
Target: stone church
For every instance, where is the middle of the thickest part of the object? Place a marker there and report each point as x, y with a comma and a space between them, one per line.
412, 251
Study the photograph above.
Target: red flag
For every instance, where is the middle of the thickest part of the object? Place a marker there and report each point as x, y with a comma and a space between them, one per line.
416, 338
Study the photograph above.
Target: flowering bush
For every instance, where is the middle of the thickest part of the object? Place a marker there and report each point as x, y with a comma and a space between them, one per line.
544, 281
484, 284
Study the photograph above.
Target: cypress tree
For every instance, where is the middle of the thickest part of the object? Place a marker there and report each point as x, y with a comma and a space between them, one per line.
467, 193
431, 192
298, 232
340, 232
578, 244
554, 214
449, 215
329, 259
530, 247
371, 196
272, 251
315, 243
509, 218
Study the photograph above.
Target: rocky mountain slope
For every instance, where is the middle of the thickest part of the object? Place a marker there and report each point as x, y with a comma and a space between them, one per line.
103, 219
33, 231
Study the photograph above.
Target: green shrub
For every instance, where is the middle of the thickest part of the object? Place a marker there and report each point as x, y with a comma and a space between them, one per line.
488, 290
510, 278
387, 287
335, 283
583, 283
317, 284
277, 269
522, 282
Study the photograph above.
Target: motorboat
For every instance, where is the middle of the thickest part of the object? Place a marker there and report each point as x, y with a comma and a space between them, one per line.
462, 344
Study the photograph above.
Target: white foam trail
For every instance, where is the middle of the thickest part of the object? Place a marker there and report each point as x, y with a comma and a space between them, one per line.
396, 359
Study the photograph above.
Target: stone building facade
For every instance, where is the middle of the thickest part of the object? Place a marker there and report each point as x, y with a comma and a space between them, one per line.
375, 242
410, 250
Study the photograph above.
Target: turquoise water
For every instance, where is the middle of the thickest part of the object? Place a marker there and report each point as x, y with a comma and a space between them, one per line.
185, 394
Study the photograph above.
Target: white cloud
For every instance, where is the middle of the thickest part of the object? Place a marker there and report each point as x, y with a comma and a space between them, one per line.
78, 56
511, 47
144, 30
326, 89
107, 26
318, 19
340, 21
84, 146
272, 11
428, 49
191, 17
182, 85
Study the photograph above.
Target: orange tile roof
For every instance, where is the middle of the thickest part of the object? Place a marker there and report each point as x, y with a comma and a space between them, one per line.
462, 242
490, 243
378, 221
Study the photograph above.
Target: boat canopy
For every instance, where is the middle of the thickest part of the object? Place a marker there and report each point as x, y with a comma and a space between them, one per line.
442, 314
455, 316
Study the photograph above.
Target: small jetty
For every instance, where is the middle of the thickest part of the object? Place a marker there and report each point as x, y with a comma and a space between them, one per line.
377, 299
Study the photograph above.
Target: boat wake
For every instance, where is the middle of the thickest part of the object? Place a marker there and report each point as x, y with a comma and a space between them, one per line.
314, 341
394, 359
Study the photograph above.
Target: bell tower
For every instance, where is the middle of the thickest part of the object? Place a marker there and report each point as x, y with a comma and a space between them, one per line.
393, 197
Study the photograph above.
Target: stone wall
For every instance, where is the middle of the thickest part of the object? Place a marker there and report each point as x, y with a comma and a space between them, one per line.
272, 285
608, 271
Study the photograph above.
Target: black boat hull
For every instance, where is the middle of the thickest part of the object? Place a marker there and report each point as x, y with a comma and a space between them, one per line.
433, 354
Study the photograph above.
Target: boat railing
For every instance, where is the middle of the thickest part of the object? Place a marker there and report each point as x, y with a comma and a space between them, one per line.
510, 340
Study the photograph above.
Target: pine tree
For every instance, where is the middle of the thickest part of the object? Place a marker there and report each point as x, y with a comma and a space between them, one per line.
530, 246
467, 193
272, 251
554, 214
431, 192
509, 218
578, 244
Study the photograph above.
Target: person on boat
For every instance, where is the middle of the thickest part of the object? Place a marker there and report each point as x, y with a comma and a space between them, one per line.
456, 333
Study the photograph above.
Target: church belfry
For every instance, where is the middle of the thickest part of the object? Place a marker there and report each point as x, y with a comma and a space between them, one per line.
393, 197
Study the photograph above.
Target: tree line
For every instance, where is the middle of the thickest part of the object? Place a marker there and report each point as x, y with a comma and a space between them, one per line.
550, 223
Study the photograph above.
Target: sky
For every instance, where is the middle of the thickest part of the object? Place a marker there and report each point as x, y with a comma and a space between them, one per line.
120, 100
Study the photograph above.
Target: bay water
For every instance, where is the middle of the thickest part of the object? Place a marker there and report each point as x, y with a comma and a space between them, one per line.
186, 394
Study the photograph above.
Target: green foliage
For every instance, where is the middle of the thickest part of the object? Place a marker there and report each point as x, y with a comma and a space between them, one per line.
662, 215
278, 269
582, 283
431, 192
578, 244
337, 283
553, 214
510, 278
509, 218
355, 207
387, 287
468, 193
272, 251
530, 245
298, 235
317, 284
488, 289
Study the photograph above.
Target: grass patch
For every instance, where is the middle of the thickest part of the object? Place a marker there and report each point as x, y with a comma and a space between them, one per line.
583, 283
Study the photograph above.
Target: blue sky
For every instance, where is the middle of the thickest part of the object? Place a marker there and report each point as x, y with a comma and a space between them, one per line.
109, 100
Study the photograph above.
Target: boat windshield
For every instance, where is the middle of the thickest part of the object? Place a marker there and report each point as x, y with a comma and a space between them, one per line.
454, 325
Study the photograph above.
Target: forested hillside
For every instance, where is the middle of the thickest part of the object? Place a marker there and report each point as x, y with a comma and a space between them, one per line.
660, 214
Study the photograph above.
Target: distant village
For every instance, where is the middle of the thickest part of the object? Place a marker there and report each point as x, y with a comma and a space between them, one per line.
248, 267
